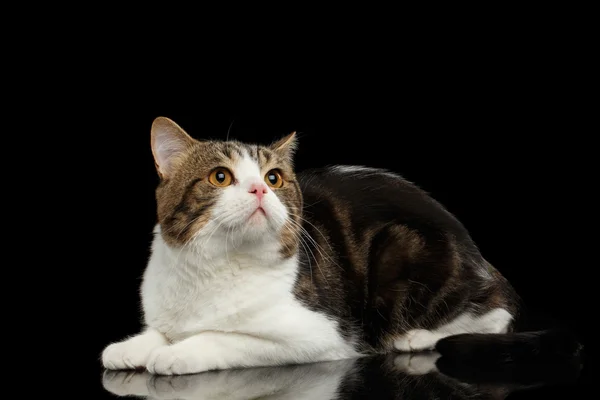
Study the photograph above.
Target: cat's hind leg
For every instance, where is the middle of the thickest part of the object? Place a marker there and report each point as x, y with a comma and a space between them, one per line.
494, 321
132, 353
417, 340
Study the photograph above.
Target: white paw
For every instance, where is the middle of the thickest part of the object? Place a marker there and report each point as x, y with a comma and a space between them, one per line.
417, 364
174, 360
125, 383
129, 354
417, 340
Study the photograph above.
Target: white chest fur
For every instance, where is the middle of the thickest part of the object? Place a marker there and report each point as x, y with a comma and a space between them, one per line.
185, 293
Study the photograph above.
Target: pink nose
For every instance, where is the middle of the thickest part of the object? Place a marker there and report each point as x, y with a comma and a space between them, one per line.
259, 189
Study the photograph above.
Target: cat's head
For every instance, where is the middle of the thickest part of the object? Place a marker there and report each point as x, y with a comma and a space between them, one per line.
227, 192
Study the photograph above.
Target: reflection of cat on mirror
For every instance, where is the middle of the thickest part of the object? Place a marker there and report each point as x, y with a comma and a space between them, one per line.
403, 376
253, 264
303, 382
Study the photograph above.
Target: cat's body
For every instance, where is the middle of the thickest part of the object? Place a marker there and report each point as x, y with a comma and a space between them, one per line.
253, 265
392, 260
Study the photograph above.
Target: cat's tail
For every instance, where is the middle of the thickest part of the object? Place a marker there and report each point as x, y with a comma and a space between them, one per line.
546, 346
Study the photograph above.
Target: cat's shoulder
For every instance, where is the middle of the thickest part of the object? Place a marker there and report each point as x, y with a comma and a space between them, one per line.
375, 194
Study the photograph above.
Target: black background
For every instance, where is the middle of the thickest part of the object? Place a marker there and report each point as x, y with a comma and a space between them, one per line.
505, 144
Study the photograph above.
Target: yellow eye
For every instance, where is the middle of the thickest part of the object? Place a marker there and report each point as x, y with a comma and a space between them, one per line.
274, 179
220, 177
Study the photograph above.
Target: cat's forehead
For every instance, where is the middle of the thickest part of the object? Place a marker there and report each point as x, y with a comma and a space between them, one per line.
247, 166
247, 157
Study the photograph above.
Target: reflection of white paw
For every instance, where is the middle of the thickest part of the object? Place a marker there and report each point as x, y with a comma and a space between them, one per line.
129, 354
174, 360
125, 383
417, 340
172, 387
417, 364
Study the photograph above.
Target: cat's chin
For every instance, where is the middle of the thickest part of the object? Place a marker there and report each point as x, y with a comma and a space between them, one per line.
257, 226
258, 219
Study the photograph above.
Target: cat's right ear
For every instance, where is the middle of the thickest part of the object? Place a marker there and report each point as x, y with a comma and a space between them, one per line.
169, 143
286, 146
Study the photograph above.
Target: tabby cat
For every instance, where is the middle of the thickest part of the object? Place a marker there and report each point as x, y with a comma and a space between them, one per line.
255, 265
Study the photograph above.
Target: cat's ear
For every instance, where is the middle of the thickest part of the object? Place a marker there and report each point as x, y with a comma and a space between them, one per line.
169, 143
286, 146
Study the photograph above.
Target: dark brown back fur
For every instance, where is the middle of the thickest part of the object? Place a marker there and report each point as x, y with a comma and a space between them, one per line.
386, 258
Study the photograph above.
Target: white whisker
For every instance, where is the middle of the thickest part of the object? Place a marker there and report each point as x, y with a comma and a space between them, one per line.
320, 249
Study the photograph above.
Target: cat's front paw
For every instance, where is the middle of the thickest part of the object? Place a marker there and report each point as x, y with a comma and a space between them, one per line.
174, 360
129, 354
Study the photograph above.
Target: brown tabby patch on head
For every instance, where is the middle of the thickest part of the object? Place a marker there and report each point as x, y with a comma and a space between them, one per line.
185, 199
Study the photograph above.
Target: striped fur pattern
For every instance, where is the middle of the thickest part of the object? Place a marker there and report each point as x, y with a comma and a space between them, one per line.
254, 264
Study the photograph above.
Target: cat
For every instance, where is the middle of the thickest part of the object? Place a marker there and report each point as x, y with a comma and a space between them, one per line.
253, 264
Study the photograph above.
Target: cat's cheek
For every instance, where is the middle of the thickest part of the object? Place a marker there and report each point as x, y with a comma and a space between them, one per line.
276, 214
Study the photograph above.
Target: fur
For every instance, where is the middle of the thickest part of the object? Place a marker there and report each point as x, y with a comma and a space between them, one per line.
255, 265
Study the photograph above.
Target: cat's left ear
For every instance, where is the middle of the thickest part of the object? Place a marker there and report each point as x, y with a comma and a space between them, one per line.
286, 146
169, 144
